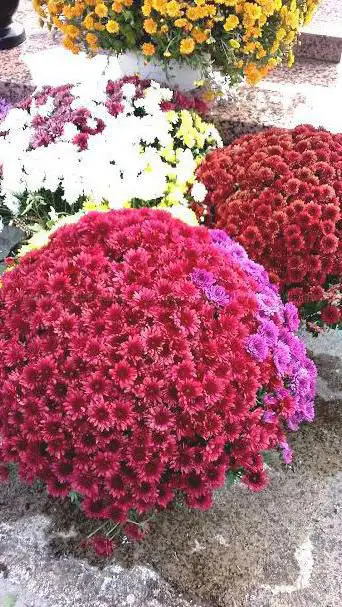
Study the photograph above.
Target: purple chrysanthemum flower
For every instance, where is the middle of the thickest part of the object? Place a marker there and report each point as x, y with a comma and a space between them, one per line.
294, 422
296, 346
282, 357
217, 295
219, 236
309, 365
286, 452
309, 411
257, 346
302, 381
4, 108
202, 278
270, 400
275, 337
291, 316
268, 417
238, 253
256, 271
268, 303
269, 330
282, 393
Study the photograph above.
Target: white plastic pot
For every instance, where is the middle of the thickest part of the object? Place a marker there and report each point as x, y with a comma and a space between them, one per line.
174, 74
74, 69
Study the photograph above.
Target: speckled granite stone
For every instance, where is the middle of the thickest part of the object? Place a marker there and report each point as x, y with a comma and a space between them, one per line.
329, 11
322, 38
324, 47
309, 93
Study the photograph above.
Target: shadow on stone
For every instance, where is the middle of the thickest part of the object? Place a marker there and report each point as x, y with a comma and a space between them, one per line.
330, 369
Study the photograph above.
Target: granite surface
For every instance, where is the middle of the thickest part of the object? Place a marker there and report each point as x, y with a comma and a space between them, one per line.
279, 548
328, 11
310, 93
322, 38
315, 45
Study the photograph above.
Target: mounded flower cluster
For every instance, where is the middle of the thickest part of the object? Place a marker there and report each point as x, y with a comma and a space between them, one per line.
242, 38
142, 357
124, 143
279, 193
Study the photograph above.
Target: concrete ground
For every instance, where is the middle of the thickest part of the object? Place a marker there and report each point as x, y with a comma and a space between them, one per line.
280, 548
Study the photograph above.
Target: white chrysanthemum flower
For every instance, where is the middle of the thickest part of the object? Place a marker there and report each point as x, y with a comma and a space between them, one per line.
69, 131
47, 108
128, 90
91, 123
198, 192
150, 156
13, 178
16, 119
186, 166
12, 202
212, 133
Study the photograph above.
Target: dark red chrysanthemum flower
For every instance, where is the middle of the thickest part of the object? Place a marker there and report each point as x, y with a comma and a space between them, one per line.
134, 532
256, 481
331, 314
285, 202
102, 545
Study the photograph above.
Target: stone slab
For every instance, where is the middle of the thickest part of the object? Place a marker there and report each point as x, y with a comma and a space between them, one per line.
322, 38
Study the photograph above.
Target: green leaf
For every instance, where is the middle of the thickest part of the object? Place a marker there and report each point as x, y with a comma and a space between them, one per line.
75, 498
232, 477
267, 455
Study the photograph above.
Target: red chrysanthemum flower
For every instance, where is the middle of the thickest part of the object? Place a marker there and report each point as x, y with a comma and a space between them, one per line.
331, 314
279, 192
4, 473
102, 545
140, 384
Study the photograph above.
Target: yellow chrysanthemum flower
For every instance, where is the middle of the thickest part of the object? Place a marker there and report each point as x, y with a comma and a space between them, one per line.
187, 46
112, 26
148, 49
150, 26
101, 10
231, 23
259, 31
173, 8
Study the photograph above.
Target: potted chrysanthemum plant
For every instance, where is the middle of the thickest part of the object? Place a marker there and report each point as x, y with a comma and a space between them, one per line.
182, 41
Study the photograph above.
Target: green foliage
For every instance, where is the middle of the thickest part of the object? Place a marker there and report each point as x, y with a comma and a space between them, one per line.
75, 498
267, 455
233, 476
36, 206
